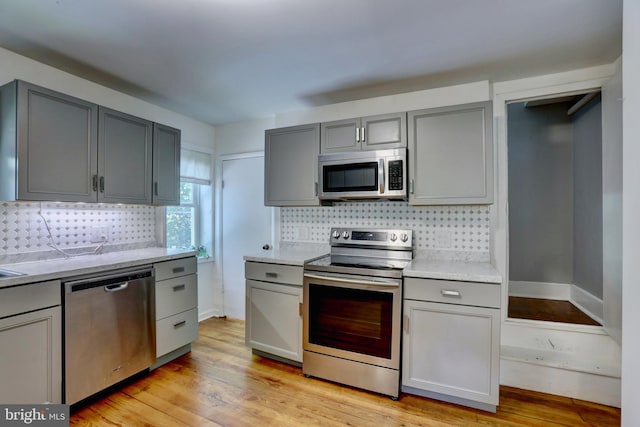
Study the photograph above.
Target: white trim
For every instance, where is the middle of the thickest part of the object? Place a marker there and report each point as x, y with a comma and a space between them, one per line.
591, 305
208, 314
543, 290
548, 379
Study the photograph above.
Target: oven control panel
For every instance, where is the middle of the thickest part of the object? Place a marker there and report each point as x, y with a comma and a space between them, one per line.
371, 237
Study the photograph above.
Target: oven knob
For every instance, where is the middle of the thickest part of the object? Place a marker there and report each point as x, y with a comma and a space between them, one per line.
336, 234
393, 237
404, 237
345, 234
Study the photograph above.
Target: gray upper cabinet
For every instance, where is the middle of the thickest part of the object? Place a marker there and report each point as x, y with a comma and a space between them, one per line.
367, 133
60, 148
124, 158
291, 166
166, 165
451, 155
53, 139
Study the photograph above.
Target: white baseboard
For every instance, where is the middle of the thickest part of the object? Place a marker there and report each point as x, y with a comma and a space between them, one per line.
592, 306
563, 382
577, 361
208, 314
543, 290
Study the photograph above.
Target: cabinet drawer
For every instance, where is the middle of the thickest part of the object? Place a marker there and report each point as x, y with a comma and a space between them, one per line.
176, 268
175, 331
176, 295
21, 299
289, 274
452, 292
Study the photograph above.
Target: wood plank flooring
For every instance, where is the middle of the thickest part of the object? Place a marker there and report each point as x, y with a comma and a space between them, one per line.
548, 310
220, 383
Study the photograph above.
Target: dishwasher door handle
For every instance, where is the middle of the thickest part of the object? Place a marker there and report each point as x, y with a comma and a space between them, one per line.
116, 287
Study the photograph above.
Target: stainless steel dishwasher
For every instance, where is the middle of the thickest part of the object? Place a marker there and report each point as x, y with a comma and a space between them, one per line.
109, 332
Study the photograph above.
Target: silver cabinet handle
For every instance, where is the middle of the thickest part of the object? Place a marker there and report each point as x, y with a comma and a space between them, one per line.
453, 294
357, 134
117, 287
179, 324
155, 188
102, 184
316, 189
271, 275
94, 182
362, 134
178, 269
179, 288
411, 187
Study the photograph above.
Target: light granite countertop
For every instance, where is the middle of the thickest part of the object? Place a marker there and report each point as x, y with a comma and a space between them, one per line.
290, 253
39, 271
466, 271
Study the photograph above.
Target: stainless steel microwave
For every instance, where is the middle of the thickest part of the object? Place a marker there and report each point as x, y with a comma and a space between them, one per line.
371, 174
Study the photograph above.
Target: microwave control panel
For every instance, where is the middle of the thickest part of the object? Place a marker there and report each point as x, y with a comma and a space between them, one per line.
395, 175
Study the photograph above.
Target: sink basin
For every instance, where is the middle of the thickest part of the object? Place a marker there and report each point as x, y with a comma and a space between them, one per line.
4, 273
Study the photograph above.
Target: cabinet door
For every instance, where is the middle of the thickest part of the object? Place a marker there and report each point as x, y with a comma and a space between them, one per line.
452, 350
273, 319
451, 155
384, 131
340, 135
30, 351
166, 165
291, 166
124, 158
57, 146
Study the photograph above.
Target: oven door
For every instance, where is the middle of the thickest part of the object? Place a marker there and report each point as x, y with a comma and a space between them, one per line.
353, 317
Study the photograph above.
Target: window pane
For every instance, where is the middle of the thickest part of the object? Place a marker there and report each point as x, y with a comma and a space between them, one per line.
186, 192
180, 227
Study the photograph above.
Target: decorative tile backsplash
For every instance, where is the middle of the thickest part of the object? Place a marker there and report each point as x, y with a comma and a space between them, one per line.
23, 230
448, 228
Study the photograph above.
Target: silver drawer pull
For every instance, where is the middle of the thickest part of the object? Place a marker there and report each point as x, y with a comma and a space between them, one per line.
272, 275
446, 293
179, 288
179, 324
178, 270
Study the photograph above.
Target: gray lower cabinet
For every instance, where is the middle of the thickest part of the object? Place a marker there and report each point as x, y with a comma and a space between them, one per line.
55, 147
273, 324
451, 341
451, 155
176, 294
31, 344
124, 158
368, 133
291, 166
166, 165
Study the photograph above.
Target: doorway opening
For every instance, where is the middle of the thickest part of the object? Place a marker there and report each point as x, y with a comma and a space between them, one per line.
555, 208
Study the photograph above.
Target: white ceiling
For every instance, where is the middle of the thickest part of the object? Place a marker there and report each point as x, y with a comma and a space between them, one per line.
229, 60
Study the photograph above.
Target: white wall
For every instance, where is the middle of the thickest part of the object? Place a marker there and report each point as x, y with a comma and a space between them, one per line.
631, 207
430, 98
194, 133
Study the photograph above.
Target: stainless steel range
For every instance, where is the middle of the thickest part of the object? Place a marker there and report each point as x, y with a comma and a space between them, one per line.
353, 309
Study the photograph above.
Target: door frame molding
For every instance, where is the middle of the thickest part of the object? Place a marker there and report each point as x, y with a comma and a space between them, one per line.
218, 223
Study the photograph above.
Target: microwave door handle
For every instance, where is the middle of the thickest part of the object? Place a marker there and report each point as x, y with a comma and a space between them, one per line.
381, 176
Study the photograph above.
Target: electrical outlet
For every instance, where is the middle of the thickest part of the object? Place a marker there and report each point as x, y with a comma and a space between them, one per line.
302, 233
443, 239
99, 234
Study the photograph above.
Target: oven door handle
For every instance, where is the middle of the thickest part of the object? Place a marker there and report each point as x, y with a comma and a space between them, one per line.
388, 283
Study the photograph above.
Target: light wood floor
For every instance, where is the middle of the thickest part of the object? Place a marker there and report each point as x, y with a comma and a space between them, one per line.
220, 383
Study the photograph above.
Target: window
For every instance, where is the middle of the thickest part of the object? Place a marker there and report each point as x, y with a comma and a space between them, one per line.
190, 224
